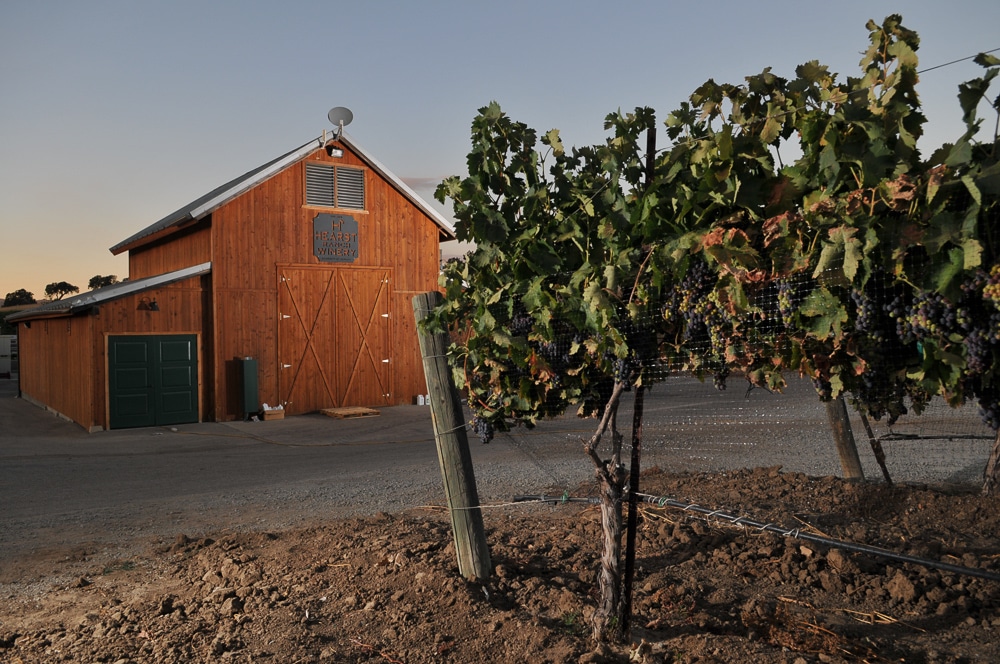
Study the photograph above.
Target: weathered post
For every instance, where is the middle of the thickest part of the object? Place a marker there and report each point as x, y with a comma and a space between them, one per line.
843, 439
452, 442
877, 450
991, 474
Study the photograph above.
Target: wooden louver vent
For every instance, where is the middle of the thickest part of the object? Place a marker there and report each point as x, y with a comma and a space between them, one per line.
335, 186
350, 188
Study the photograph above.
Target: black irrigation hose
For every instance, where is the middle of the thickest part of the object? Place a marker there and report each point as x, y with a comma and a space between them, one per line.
784, 532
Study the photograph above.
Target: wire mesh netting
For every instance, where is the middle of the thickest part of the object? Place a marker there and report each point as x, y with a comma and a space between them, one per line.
689, 426
693, 424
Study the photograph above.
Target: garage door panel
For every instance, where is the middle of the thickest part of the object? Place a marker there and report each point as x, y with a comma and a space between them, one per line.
153, 380
127, 352
173, 377
176, 351
134, 405
174, 407
133, 378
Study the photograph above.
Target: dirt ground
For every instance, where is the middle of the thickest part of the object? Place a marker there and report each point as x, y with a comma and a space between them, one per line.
386, 589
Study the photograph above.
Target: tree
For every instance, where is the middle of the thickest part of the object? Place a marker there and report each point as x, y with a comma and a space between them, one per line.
19, 297
650, 258
97, 281
57, 290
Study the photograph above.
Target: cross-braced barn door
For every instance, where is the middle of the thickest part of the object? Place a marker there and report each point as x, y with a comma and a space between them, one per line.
333, 338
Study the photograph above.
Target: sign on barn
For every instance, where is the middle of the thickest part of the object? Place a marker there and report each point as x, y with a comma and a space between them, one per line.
335, 238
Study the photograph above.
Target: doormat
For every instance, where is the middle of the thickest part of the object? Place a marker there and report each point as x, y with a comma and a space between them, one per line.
344, 413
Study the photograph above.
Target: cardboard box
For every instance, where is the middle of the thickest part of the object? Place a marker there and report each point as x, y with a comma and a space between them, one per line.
274, 414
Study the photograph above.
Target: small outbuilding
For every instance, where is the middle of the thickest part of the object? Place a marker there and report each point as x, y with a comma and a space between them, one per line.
290, 285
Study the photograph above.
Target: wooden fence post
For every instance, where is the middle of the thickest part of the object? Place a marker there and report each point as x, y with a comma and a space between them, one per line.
991, 474
843, 439
453, 448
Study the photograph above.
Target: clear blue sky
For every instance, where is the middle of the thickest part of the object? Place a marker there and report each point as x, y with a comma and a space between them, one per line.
115, 113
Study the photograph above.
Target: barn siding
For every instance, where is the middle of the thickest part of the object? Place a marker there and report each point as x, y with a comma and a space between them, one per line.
182, 311
57, 366
66, 357
190, 246
270, 227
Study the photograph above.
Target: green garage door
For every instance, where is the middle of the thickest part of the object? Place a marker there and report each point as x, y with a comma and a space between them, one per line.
153, 380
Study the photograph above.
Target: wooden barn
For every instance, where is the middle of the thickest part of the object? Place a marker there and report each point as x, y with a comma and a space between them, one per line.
291, 285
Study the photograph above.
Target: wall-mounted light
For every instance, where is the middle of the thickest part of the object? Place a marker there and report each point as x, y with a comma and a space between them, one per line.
334, 152
145, 304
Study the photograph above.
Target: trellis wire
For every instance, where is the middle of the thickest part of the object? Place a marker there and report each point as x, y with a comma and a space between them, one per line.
794, 533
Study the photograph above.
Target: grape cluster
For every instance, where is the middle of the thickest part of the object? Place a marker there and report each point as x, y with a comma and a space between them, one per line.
719, 378
483, 428
989, 407
931, 316
688, 302
924, 316
623, 368
869, 309
978, 351
968, 326
896, 309
877, 392
790, 296
991, 289
520, 323
556, 353
823, 388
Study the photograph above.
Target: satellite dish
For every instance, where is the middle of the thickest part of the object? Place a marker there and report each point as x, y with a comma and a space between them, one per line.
340, 117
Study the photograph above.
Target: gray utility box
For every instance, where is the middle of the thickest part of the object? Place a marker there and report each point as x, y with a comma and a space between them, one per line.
249, 394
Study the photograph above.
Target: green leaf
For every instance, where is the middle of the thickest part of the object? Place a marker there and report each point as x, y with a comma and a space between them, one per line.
941, 229
972, 252
945, 276
987, 60
836, 385
825, 312
853, 256
771, 130
988, 180
971, 93
904, 54
829, 258
491, 112
486, 320
973, 190
813, 71
959, 155
552, 139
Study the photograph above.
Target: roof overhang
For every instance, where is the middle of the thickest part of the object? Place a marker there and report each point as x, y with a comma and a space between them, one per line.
82, 303
212, 201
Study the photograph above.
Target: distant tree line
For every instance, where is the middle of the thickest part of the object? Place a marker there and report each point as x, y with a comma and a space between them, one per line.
57, 290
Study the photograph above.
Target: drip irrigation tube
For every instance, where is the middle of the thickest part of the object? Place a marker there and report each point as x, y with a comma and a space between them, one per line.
796, 533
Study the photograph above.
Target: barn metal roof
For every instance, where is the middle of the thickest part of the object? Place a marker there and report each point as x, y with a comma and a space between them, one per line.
80, 303
218, 197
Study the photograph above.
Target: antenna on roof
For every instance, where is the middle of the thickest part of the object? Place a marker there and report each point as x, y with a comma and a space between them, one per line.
340, 117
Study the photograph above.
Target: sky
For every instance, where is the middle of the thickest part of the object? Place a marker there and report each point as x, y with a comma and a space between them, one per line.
115, 113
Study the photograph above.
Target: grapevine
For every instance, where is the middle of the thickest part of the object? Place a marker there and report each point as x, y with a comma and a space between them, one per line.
866, 264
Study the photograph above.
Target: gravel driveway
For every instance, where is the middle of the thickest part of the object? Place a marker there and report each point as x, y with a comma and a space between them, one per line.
61, 486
